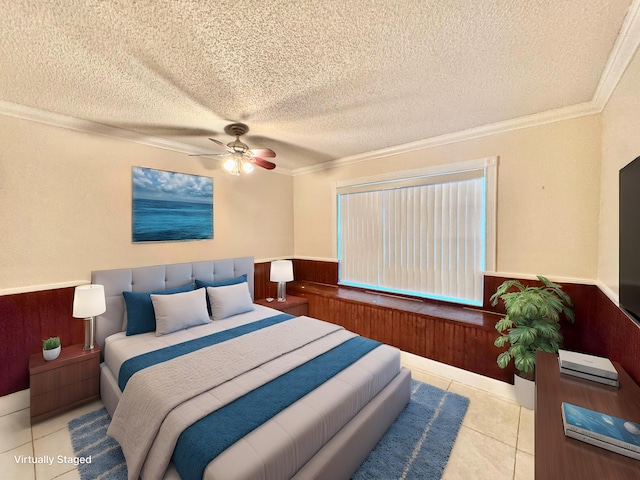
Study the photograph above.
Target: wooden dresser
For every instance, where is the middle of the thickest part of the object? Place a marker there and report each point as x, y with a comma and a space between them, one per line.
64, 383
560, 457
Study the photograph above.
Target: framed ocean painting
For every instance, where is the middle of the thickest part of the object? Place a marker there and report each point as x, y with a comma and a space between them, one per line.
170, 206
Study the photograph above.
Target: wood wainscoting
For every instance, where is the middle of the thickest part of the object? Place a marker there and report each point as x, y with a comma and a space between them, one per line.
443, 332
25, 320
464, 337
606, 331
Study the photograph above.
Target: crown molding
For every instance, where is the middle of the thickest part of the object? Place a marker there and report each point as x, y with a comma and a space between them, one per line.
621, 55
550, 116
86, 126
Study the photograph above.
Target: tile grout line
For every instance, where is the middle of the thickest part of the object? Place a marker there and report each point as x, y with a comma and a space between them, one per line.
472, 384
33, 449
519, 427
495, 395
515, 457
17, 446
47, 434
14, 412
492, 437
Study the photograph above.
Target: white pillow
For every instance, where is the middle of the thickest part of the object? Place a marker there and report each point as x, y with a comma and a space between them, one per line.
230, 300
178, 311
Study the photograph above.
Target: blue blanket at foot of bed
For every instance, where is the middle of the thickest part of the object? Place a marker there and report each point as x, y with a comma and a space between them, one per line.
206, 439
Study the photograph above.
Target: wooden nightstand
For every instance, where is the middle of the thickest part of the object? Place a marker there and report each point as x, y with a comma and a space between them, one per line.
294, 305
64, 383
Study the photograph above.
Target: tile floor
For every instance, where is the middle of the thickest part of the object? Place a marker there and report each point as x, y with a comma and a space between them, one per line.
495, 441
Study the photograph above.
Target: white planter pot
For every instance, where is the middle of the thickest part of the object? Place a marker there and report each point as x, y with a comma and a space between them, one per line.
51, 354
525, 392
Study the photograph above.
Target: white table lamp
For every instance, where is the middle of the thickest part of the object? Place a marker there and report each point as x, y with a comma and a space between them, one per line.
282, 272
88, 301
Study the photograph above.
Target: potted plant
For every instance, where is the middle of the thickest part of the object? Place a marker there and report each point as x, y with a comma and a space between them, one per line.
532, 323
51, 348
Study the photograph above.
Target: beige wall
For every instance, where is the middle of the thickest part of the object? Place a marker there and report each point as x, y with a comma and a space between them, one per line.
620, 145
65, 200
548, 196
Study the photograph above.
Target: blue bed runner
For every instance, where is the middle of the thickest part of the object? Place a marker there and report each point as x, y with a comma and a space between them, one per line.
200, 443
135, 364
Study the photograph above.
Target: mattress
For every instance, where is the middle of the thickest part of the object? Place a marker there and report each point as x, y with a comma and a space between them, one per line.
280, 447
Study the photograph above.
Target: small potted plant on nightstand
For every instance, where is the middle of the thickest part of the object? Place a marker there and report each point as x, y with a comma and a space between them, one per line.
532, 323
51, 348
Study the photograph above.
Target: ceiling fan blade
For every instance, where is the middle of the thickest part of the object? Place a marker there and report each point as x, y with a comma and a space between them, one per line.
229, 149
208, 154
262, 152
261, 162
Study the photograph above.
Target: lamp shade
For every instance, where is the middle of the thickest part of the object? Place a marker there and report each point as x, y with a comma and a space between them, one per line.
88, 301
281, 271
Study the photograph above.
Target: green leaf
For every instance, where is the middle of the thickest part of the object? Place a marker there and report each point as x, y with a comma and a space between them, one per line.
517, 350
526, 362
503, 359
504, 324
569, 314
525, 335
547, 329
503, 288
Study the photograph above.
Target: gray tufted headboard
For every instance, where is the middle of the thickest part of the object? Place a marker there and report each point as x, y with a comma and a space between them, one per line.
158, 277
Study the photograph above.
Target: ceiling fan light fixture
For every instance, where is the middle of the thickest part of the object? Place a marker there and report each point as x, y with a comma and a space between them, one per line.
247, 167
232, 166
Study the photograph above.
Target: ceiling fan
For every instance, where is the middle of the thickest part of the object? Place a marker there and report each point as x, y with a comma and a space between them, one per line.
241, 157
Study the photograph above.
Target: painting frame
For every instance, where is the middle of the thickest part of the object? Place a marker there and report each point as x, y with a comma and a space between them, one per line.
169, 206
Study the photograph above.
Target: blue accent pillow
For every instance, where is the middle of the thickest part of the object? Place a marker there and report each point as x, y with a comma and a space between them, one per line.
141, 317
219, 283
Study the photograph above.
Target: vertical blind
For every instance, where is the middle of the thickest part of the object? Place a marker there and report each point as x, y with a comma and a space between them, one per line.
421, 236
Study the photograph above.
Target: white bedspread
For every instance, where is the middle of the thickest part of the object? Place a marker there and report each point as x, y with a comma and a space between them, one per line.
284, 444
151, 394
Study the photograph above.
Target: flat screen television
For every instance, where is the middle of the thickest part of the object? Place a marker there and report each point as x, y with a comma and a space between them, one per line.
630, 239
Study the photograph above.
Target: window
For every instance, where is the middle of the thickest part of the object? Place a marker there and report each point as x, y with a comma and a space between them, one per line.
428, 232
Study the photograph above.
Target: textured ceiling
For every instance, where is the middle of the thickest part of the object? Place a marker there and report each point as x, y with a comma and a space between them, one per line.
315, 81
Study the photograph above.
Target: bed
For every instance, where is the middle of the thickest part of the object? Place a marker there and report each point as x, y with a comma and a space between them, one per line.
311, 427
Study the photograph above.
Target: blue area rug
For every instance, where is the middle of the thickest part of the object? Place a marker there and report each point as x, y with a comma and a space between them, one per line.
417, 446
419, 442
89, 438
